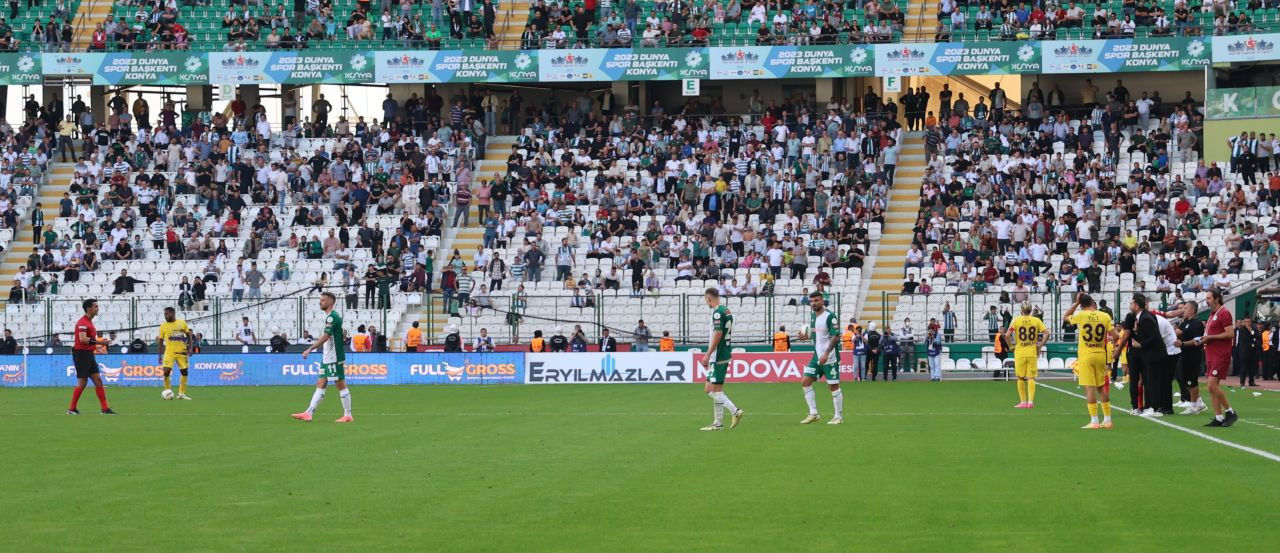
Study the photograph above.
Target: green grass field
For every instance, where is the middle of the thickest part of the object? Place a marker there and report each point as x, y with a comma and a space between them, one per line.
917, 467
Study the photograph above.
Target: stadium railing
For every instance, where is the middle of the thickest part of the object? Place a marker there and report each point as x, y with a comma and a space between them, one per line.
47, 322
683, 313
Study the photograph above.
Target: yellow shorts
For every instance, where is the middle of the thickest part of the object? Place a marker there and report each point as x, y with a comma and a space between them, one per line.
170, 359
1092, 370
1026, 366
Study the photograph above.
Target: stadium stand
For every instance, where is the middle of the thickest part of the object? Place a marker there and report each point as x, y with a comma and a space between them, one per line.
37, 26
145, 224
1118, 199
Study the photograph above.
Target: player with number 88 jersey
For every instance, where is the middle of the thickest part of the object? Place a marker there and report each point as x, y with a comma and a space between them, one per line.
1028, 334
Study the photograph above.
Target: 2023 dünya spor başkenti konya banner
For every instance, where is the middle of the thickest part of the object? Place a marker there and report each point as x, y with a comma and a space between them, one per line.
1115, 55
292, 67
270, 369
778, 62
123, 68
957, 58
615, 64
458, 66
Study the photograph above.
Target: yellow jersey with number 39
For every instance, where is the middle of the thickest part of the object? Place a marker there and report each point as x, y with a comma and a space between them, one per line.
1026, 335
1092, 327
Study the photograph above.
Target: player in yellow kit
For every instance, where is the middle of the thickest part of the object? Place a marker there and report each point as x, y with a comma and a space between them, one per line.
1027, 334
1093, 328
173, 339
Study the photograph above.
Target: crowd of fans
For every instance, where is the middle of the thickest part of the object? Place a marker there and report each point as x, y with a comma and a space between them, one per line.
624, 23
1120, 19
232, 193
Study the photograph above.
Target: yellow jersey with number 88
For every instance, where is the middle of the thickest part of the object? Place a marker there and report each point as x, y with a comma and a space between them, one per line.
1026, 335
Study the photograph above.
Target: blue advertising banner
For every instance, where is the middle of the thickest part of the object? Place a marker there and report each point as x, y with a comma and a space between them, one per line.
273, 369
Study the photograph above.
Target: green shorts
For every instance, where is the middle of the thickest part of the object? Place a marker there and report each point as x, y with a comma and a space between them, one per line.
333, 371
829, 371
720, 366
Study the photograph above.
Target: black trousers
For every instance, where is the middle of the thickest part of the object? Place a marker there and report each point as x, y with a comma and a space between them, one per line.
1136, 382
890, 365
873, 364
1158, 382
1246, 367
1270, 369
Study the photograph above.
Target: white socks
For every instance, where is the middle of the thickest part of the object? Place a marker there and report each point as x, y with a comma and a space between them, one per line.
728, 404
316, 398
346, 401
717, 406
837, 398
811, 399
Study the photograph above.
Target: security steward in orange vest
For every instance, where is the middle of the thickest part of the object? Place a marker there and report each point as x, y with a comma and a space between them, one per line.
666, 343
537, 345
781, 341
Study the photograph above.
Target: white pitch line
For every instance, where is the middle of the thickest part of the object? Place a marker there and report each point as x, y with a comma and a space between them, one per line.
1256, 423
1260, 453
579, 414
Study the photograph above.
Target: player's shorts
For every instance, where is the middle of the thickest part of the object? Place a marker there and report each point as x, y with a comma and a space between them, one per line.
1026, 366
333, 372
84, 362
719, 365
1092, 370
182, 360
829, 371
1217, 366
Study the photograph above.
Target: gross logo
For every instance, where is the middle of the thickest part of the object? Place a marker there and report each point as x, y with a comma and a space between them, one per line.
469, 370
193, 63
1026, 52
26, 64
858, 55
523, 61
358, 61
125, 372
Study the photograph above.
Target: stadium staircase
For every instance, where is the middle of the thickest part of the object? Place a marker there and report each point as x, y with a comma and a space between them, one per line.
20, 247
510, 25
88, 16
431, 317
925, 15
890, 253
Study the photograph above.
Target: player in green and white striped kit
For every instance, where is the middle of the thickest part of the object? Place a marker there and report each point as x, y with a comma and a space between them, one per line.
717, 361
826, 359
331, 362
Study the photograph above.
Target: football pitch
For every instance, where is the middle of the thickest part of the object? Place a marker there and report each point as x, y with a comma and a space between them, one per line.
917, 466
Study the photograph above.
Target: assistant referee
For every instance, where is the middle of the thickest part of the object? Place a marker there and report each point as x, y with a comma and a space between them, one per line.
86, 338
